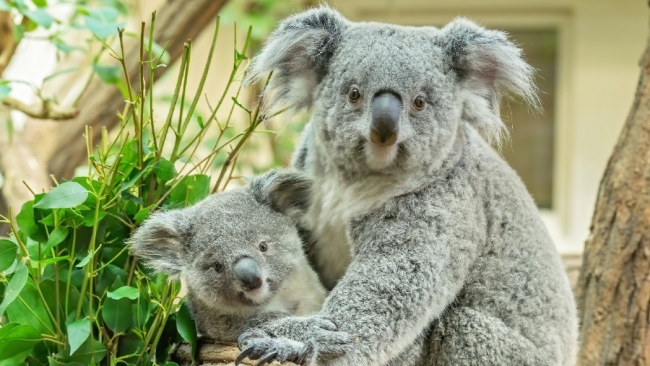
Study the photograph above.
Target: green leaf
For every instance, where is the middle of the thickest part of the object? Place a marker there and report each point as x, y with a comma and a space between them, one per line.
8, 251
40, 3
40, 17
100, 28
131, 344
85, 260
78, 333
91, 352
191, 190
103, 13
117, 314
144, 307
64, 47
17, 359
27, 222
122, 292
109, 74
66, 195
16, 284
143, 214
4, 6
29, 309
248, 111
186, 327
199, 120
89, 218
164, 170
19, 32
56, 303
108, 276
5, 89
52, 362
56, 237
16, 339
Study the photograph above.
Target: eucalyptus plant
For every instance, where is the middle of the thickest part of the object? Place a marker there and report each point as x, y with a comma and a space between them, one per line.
71, 292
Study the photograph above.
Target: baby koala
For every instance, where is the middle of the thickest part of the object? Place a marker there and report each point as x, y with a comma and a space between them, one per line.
239, 252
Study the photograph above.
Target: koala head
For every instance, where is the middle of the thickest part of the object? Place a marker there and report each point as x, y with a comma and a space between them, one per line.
388, 98
234, 249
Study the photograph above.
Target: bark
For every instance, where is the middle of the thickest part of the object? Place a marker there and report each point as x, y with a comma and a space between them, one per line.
614, 282
176, 22
215, 355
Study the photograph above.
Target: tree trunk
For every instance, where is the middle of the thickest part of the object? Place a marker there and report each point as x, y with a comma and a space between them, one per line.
614, 283
176, 22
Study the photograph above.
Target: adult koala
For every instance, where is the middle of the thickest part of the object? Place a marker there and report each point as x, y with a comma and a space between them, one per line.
434, 249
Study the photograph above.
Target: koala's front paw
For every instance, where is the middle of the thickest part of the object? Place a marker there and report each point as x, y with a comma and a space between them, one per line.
296, 339
257, 345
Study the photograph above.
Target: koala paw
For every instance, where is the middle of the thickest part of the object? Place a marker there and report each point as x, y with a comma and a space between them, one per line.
295, 339
257, 345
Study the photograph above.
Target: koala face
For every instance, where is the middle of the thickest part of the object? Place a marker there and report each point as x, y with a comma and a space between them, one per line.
387, 97
235, 249
238, 251
390, 99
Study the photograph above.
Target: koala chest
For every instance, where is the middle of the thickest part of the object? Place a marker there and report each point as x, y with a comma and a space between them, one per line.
302, 293
334, 205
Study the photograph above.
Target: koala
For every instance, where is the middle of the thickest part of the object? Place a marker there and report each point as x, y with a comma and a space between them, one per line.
432, 247
239, 252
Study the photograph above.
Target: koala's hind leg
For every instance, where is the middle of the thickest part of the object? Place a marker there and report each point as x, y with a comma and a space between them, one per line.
465, 337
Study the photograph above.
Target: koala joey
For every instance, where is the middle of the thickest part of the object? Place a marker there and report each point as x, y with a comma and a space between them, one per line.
239, 252
431, 244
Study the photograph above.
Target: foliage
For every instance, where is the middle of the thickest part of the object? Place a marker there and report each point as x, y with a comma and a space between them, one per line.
71, 27
262, 16
71, 292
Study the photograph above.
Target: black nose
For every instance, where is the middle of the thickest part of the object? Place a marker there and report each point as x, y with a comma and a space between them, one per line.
248, 274
386, 108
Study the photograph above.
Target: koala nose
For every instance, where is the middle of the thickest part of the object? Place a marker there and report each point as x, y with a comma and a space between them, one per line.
386, 108
248, 274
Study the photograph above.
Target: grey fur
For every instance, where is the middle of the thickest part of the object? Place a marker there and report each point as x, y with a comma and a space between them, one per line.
434, 249
224, 228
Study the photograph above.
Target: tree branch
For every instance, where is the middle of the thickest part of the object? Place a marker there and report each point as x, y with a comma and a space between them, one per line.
46, 110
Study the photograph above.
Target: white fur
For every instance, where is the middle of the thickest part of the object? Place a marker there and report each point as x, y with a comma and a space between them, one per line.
301, 295
380, 157
335, 203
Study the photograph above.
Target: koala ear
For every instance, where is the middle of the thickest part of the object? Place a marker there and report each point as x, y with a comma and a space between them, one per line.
487, 64
159, 242
298, 52
284, 190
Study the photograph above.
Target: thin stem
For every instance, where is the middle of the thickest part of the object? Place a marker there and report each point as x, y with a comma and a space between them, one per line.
172, 105
142, 92
256, 121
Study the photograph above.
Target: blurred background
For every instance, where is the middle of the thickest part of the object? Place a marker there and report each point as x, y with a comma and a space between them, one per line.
586, 53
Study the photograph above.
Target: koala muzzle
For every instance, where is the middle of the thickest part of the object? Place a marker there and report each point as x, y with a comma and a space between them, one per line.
386, 108
248, 274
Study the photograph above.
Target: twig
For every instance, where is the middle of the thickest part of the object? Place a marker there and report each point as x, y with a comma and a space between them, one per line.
45, 110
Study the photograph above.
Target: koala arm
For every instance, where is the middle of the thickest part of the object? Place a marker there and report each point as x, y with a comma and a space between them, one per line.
227, 327
404, 274
409, 263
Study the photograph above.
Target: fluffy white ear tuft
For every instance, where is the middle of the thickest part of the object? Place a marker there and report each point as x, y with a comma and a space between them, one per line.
487, 64
298, 53
286, 191
159, 242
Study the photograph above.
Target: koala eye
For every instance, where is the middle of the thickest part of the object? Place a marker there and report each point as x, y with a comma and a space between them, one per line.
419, 102
263, 246
354, 94
218, 267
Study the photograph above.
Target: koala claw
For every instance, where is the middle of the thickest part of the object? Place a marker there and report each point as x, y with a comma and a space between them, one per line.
257, 345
